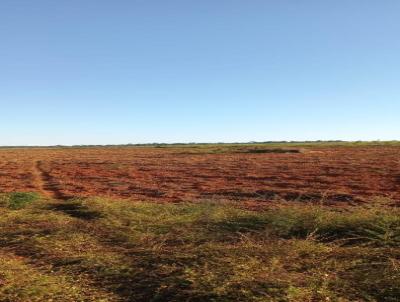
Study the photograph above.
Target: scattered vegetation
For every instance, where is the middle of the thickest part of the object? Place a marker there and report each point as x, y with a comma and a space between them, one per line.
237, 149
100, 250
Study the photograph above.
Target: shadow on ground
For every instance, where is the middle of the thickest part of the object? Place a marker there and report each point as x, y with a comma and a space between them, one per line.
75, 209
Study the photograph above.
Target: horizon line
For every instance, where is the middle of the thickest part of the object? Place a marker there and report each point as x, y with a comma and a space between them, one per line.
200, 143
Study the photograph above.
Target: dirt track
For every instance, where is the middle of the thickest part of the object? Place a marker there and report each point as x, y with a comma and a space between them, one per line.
338, 174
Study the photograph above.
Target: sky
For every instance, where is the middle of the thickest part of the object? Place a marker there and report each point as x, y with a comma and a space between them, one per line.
142, 71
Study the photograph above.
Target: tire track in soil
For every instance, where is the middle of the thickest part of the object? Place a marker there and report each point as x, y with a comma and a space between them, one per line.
47, 185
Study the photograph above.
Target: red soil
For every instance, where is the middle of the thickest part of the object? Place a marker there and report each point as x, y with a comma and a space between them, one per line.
338, 174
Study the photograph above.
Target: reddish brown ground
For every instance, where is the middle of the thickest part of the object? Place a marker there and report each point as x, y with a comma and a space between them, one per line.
184, 174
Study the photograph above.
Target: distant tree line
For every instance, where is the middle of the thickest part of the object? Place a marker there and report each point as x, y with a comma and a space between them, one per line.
160, 145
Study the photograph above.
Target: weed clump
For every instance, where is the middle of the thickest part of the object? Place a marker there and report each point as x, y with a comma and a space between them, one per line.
18, 200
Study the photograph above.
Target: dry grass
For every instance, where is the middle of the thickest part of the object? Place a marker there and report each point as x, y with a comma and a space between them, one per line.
98, 250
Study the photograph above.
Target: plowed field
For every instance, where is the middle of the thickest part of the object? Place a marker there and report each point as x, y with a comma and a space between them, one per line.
242, 173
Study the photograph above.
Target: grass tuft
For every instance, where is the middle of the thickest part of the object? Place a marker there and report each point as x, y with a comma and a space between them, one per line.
18, 200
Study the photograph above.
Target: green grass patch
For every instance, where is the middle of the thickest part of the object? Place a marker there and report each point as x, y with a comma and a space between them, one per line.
102, 250
18, 200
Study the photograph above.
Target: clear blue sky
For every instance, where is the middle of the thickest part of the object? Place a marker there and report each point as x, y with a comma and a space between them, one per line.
133, 71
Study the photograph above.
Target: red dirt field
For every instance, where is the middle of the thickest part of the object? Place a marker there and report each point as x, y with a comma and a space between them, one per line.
337, 174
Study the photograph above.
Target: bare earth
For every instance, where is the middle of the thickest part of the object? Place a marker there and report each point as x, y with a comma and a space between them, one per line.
337, 174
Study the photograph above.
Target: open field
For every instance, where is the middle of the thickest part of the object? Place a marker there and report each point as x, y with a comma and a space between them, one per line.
249, 174
256, 222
